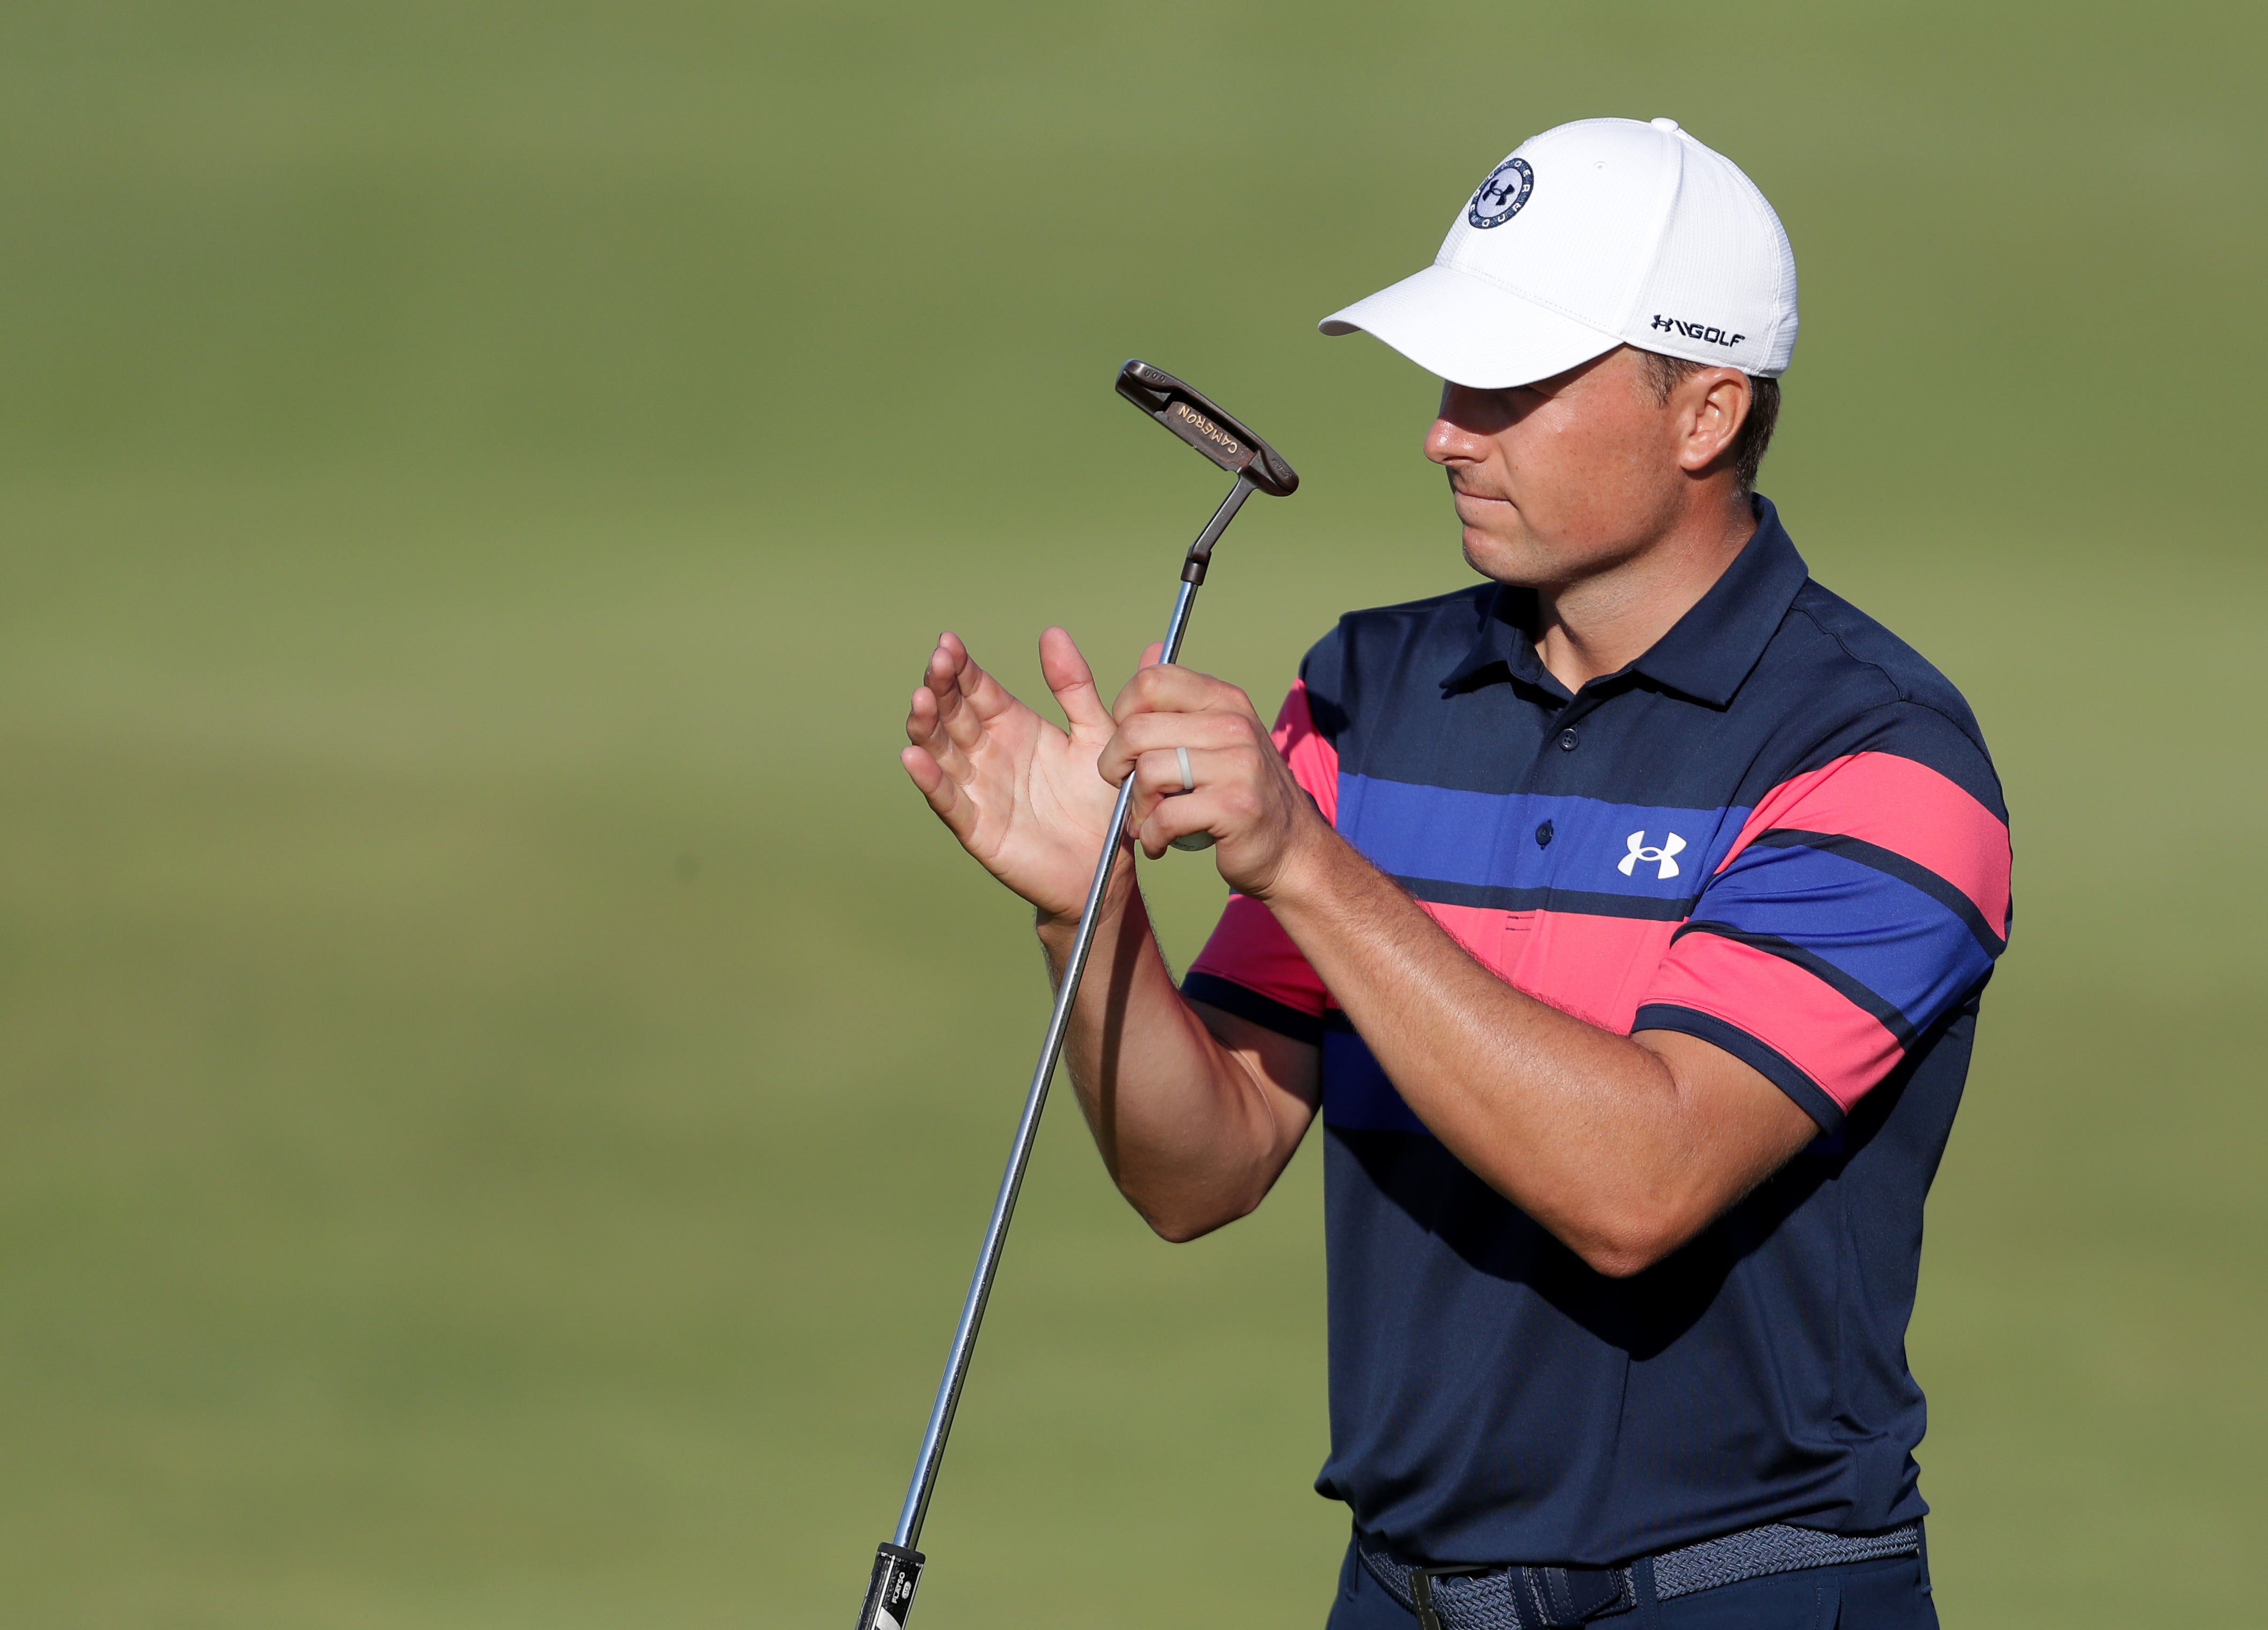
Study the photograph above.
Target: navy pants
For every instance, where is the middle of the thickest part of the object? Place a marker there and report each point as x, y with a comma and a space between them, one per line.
1892, 1594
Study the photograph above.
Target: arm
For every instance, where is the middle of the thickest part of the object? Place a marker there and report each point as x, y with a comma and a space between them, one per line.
1196, 1111
1623, 1147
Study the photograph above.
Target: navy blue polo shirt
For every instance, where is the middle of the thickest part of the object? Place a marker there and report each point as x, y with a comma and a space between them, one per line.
1777, 831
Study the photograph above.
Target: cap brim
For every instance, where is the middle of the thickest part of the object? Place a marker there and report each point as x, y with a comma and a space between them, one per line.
1471, 332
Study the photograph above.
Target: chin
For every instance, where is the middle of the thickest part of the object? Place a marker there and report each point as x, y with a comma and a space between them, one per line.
1520, 565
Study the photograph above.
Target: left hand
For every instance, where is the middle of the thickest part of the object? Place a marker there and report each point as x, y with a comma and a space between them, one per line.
1260, 817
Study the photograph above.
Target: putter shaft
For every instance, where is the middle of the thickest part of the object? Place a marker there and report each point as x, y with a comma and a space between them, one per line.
1019, 1152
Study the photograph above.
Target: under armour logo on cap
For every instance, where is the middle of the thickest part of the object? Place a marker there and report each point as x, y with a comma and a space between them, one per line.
1500, 197
1665, 857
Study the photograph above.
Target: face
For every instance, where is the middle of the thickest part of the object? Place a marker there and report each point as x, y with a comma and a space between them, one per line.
1557, 480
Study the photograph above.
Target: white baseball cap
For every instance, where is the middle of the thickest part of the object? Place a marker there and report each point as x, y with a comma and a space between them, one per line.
1598, 234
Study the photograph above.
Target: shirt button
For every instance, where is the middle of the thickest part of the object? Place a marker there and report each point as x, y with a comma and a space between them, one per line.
1566, 741
1543, 836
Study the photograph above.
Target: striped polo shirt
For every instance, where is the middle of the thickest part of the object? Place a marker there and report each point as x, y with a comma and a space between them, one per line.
1777, 831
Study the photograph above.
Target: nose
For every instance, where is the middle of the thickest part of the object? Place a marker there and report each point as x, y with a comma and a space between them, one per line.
1455, 437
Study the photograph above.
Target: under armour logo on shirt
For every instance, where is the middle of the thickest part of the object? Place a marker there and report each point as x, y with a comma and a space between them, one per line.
1666, 856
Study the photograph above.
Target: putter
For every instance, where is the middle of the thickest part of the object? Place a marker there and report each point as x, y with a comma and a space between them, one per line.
1258, 468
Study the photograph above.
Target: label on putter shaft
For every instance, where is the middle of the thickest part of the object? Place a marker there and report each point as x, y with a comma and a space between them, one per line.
1207, 436
890, 1592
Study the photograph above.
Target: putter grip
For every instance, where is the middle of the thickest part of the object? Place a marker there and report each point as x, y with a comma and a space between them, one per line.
890, 1592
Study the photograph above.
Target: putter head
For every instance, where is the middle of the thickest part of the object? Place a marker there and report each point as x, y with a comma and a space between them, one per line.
1193, 417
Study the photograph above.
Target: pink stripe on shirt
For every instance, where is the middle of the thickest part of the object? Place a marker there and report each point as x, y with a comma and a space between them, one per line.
1314, 762
1840, 1046
1248, 946
1903, 807
1596, 968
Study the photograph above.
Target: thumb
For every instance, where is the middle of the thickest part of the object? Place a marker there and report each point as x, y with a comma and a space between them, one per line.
1069, 676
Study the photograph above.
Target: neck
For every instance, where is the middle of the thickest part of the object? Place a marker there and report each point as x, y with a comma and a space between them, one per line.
1602, 623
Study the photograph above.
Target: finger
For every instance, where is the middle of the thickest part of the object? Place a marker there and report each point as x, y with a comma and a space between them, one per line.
967, 696
924, 770
1157, 778
941, 680
1173, 817
1153, 653
1214, 732
946, 660
943, 794
921, 714
1163, 689
925, 728
1072, 681
1146, 732
986, 695
1157, 775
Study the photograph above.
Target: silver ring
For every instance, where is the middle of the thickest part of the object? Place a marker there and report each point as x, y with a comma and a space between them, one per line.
1188, 781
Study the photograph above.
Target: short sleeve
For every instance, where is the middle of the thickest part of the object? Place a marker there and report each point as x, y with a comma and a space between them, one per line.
1863, 901
1249, 967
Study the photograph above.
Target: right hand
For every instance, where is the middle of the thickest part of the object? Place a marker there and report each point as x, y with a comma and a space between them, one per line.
1021, 795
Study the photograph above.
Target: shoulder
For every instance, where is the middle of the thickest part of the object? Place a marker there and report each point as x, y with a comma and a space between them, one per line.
1852, 686
1384, 648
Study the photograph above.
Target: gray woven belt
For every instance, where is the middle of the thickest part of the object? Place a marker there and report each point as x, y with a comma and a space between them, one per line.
1477, 1597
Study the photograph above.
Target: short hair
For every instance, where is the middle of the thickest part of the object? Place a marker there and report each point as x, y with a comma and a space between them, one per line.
1667, 373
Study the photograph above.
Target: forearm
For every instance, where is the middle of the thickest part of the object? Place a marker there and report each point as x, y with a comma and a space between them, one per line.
1592, 1134
1190, 1134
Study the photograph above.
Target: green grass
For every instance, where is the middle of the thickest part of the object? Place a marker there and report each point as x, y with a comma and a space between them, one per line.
501, 1080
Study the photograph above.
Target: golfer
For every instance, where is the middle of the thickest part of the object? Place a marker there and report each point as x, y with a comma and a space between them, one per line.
1625, 915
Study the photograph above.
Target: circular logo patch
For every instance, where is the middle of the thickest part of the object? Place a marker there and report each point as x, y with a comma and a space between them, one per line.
1501, 196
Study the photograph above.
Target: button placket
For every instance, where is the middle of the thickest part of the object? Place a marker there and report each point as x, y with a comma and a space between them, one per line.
1575, 719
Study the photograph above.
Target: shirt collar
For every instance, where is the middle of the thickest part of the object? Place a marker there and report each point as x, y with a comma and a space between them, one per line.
1705, 654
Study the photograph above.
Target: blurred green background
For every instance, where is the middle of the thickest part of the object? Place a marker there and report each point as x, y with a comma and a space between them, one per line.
502, 1079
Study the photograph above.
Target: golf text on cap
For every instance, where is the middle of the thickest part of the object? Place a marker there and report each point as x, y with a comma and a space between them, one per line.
1695, 331
1500, 197
1665, 856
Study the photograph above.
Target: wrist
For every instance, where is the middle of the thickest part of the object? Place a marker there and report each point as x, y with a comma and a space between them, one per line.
1304, 865
1057, 928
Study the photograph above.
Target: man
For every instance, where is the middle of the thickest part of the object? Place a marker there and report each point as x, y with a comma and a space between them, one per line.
1625, 915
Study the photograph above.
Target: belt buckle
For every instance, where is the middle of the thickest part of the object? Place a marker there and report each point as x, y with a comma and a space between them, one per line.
1421, 1589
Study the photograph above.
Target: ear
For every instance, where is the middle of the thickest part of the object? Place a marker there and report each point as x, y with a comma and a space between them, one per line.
1711, 407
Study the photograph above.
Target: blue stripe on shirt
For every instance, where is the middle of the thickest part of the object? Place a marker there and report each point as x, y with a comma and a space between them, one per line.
1879, 930
1483, 844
